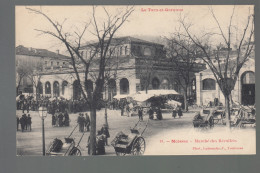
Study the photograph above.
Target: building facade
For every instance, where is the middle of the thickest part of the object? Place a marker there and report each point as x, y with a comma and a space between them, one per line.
31, 59
133, 65
244, 91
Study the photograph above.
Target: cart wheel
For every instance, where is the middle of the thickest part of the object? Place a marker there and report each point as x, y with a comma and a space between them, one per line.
138, 146
120, 154
75, 152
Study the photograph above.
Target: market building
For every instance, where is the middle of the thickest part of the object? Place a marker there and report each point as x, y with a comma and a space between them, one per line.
207, 88
134, 65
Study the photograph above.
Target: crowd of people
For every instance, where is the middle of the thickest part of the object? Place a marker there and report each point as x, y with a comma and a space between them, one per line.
53, 105
25, 121
60, 119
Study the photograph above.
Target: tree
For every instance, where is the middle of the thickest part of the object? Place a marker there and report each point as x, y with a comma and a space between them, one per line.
183, 53
21, 72
35, 74
224, 66
104, 32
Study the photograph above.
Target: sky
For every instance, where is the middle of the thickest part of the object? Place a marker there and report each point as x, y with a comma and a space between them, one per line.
155, 21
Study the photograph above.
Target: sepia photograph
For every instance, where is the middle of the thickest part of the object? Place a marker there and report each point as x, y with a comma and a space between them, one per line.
135, 80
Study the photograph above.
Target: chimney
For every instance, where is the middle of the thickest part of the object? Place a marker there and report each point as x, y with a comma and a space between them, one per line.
58, 51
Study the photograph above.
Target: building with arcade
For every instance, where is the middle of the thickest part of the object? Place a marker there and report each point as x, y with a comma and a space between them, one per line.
134, 65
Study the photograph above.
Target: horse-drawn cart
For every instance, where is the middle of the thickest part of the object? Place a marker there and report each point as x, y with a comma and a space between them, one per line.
132, 143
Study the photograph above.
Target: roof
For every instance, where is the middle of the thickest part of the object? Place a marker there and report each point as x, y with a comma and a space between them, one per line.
126, 39
21, 50
231, 64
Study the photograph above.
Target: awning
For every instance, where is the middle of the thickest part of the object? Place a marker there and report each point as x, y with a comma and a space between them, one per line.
143, 96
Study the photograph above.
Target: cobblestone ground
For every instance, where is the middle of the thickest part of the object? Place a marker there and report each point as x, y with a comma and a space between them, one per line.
30, 142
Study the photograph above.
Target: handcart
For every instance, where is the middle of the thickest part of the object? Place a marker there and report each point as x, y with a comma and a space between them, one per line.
64, 148
132, 143
204, 119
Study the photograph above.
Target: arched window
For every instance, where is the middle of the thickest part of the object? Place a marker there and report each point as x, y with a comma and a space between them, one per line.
209, 84
248, 88
248, 78
40, 89
56, 89
124, 86
126, 50
155, 83
76, 90
64, 87
111, 89
47, 88
89, 85
165, 84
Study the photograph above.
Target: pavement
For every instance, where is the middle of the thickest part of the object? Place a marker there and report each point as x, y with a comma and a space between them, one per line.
157, 134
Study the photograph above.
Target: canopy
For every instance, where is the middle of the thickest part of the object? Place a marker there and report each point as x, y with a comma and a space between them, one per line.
143, 96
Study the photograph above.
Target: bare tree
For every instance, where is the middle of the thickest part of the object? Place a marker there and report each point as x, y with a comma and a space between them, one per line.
225, 67
21, 73
183, 53
104, 32
35, 74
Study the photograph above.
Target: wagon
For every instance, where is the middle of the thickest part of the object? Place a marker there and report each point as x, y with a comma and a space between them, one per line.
203, 120
68, 147
243, 116
132, 143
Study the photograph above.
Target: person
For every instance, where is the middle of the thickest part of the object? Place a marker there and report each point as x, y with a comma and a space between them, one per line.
81, 122
29, 122
174, 112
150, 112
60, 117
87, 122
25, 122
66, 119
159, 114
140, 114
127, 110
104, 131
17, 122
53, 120
179, 112
22, 121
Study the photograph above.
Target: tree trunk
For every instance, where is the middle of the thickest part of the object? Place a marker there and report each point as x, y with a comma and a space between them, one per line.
227, 111
92, 143
185, 99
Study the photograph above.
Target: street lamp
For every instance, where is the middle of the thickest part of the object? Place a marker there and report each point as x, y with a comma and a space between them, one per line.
43, 114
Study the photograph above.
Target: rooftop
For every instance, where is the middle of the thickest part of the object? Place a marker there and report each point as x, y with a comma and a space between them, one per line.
126, 39
21, 50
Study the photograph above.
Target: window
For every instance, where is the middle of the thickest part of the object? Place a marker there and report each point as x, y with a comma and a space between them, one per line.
58, 63
47, 88
209, 84
51, 63
46, 62
64, 87
126, 50
124, 86
63, 63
